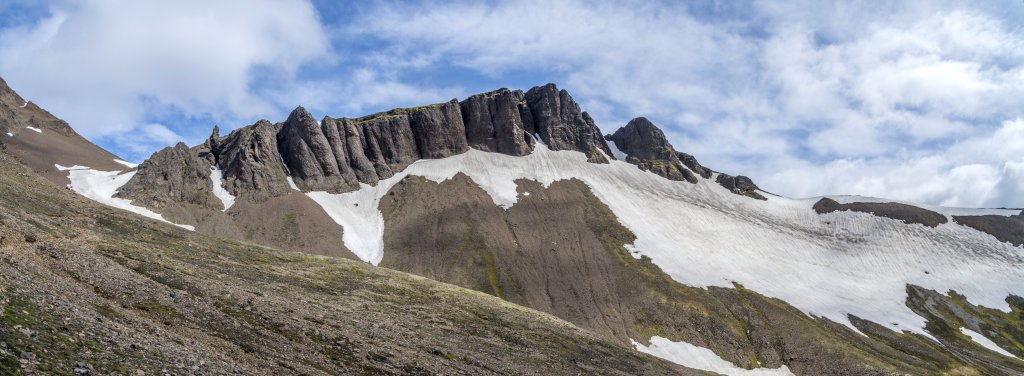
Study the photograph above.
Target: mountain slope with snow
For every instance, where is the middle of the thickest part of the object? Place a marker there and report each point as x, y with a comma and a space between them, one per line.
518, 195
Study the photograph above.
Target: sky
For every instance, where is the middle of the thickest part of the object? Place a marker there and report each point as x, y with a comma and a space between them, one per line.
920, 101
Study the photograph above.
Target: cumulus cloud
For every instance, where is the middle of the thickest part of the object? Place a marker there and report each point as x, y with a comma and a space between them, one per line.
105, 66
807, 99
915, 100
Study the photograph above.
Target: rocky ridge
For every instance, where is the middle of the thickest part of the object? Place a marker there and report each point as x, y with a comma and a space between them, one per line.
338, 154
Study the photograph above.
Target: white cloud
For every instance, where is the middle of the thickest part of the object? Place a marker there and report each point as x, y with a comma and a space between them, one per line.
807, 99
106, 65
142, 140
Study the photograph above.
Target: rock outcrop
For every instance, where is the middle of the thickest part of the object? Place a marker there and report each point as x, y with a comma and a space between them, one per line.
690, 162
336, 155
1005, 228
893, 210
251, 162
309, 155
740, 185
646, 146
560, 123
172, 175
499, 121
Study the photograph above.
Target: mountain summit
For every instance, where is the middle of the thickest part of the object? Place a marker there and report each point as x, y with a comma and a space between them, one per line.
518, 195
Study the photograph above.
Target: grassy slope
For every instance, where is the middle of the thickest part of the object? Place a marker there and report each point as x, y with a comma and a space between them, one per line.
90, 286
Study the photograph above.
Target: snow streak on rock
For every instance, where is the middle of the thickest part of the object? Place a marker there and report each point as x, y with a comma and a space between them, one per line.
217, 179
101, 186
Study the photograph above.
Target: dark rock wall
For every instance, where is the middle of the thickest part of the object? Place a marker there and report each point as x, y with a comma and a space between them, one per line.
172, 175
1007, 229
646, 146
335, 155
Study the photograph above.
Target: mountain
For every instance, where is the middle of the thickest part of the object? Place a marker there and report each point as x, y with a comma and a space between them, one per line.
86, 289
519, 195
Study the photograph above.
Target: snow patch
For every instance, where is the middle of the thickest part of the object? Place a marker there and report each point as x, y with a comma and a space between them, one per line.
291, 183
10, 134
23, 105
217, 179
688, 355
75, 167
126, 163
101, 186
34, 129
829, 265
985, 342
616, 152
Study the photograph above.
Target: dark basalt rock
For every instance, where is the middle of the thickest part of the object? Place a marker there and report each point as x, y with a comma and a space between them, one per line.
172, 175
438, 130
336, 155
893, 210
560, 123
740, 185
309, 156
389, 141
498, 122
646, 146
251, 163
1007, 229
690, 162
349, 149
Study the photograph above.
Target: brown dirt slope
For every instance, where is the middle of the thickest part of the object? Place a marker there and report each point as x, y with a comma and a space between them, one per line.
560, 250
57, 144
88, 287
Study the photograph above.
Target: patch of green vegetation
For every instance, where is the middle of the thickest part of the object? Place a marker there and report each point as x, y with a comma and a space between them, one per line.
154, 307
1008, 325
107, 311
492, 273
26, 328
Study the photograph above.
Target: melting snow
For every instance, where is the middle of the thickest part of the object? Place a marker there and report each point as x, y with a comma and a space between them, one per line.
688, 355
101, 186
985, 342
218, 188
616, 152
702, 235
23, 105
126, 163
35, 129
10, 134
291, 183
75, 167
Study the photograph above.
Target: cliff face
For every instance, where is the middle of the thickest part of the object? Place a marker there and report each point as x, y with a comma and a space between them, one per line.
646, 146
336, 155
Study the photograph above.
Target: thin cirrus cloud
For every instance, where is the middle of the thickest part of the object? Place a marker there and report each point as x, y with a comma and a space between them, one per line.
912, 100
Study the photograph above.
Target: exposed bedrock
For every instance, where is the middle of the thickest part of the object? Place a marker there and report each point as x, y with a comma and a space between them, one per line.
251, 163
893, 210
172, 175
309, 156
646, 146
740, 185
1005, 228
560, 123
498, 121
